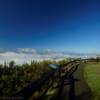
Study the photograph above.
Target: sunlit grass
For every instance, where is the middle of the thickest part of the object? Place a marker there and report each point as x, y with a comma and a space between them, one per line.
92, 74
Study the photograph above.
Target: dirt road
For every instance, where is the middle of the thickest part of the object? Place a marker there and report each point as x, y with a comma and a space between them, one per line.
78, 90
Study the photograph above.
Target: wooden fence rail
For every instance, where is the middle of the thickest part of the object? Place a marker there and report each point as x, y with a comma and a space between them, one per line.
29, 90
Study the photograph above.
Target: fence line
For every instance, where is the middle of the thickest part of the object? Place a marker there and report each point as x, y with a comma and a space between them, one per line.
28, 91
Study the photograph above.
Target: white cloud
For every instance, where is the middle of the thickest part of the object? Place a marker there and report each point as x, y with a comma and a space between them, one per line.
27, 50
22, 57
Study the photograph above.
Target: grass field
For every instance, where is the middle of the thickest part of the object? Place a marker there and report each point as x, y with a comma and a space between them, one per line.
92, 75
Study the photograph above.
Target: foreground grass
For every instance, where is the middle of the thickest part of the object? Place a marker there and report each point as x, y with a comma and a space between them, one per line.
92, 74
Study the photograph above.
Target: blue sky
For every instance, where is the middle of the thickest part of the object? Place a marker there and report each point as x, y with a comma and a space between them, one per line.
66, 25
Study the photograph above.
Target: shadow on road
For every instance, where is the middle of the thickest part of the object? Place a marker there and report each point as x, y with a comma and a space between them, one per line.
76, 88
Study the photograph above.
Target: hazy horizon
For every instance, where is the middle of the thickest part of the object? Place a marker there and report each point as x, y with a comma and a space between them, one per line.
26, 55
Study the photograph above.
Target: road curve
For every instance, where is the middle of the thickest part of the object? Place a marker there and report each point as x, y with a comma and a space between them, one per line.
81, 89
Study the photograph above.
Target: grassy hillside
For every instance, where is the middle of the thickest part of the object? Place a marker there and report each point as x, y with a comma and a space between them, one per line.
92, 74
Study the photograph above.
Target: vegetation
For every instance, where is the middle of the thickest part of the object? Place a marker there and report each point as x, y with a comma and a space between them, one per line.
14, 77
92, 74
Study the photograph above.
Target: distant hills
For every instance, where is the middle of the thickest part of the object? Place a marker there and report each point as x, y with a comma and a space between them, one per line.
22, 55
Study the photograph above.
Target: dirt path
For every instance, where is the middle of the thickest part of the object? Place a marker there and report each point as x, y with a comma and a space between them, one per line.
80, 89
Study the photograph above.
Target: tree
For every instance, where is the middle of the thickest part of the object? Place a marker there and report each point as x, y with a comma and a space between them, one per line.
98, 58
12, 64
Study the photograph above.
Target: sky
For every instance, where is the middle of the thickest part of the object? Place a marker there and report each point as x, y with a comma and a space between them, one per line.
63, 25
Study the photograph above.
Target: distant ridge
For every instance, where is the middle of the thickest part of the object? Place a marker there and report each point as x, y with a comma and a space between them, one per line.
21, 56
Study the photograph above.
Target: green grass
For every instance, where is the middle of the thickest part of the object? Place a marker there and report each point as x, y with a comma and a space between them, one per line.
92, 74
